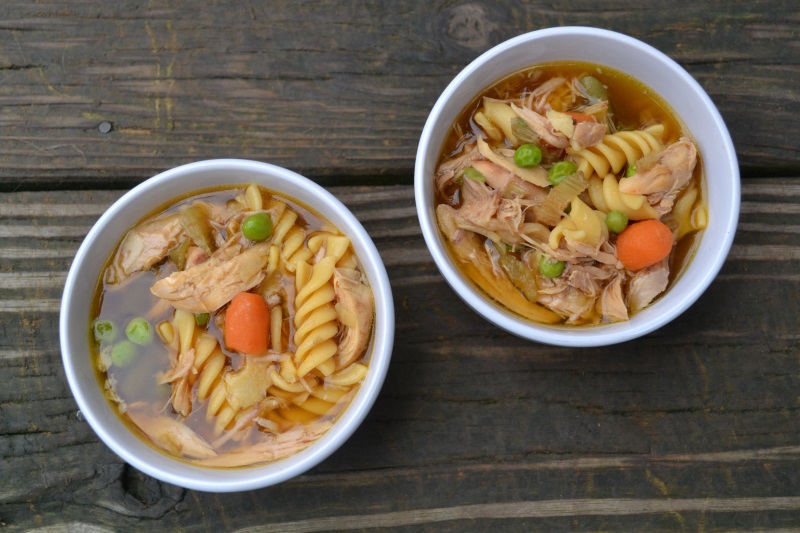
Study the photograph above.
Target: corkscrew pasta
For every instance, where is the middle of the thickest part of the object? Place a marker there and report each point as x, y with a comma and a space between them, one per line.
606, 197
618, 150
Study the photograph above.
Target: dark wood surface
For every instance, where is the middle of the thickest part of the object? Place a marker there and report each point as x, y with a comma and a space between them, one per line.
694, 427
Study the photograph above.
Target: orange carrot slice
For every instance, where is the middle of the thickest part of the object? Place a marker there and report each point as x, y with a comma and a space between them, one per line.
247, 324
644, 244
581, 117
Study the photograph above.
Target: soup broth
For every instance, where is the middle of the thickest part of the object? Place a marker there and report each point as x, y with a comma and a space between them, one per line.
232, 327
570, 193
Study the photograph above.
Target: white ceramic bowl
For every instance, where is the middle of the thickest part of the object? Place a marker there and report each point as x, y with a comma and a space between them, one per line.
80, 286
674, 85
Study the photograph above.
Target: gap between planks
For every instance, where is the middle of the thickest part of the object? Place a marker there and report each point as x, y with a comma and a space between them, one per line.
504, 511
533, 509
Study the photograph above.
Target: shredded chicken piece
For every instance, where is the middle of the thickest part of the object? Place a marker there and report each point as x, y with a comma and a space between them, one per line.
206, 287
448, 170
178, 376
355, 299
480, 203
173, 436
603, 253
567, 301
537, 99
272, 447
612, 303
146, 245
508, 183
541, 126
497, 177
588, 134
494, 257
583, 280
662, 182
646, 285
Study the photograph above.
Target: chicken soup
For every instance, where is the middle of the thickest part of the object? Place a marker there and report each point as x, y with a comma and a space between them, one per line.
233, 327
570, 193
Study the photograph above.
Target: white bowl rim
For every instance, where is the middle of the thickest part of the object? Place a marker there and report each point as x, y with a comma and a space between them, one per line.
591, 336
247, 478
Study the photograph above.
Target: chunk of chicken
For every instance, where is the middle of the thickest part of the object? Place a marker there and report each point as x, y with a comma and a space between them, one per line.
541, 126
355, 309
509, 183
588, 134
179, 376
173, 436
448, 170
271, 447
604, 253
662, 182
567, 301
646, 285
496, 176
586, 278
612, 304
206, 287
480, 203
485, 213
146, 245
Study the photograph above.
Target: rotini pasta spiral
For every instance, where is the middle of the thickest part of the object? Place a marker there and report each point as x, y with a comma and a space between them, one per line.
288, 238
208, 366
607, 197
617, 150
219, 410
307, 400
347, 376
209, 363
197, 359
315, 318
689, 214
583, 224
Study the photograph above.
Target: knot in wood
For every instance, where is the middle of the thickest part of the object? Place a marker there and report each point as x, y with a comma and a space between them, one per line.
470, 26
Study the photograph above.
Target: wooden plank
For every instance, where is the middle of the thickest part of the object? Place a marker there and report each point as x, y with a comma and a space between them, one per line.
93, 94
692, 427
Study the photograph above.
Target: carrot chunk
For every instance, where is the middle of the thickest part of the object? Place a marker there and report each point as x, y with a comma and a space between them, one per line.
644, 244
581, 117
247, 324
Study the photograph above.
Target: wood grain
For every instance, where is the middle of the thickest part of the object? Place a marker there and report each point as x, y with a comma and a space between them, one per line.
693, 427
106, 94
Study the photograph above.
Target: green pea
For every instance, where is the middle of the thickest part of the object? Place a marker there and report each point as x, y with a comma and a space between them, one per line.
139, 331
594, 88
550, 267
631, 170
474, 174
105, 331
257, 227
201, 319
122, 353
616, 221
561, 170
528, 155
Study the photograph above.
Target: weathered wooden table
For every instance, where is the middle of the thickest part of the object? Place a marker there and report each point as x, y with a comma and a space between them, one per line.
694, 427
